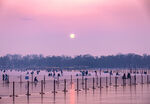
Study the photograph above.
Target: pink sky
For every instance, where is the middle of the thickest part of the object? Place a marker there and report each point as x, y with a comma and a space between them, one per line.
102, 27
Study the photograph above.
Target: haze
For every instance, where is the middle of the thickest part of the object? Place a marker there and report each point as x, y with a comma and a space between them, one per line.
102, 27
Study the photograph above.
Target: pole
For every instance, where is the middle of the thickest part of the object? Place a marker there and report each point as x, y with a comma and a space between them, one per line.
110, 80
42, 87
116, 79
13, 89
20, 78
147, 79
65, 90
71, 79
28, 94
135, 79
93, 83
106, 82
85, 84
100, 82
54, 89
130, 80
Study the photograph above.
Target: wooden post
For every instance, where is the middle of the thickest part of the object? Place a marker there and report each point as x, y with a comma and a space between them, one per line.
54, 89
134, 79
93, 83
82, 82
97, 80
28, 93
106, 82
116, 79
58, 80
42, 88
100, 83
147, 79
110, 80
65, 90
85, 84
32, 77
142, 79
130, 80
20, 78
13, 89
13, 93
44, 81
71, 80
77, 85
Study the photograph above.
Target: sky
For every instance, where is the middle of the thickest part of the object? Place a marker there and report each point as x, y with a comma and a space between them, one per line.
101, 27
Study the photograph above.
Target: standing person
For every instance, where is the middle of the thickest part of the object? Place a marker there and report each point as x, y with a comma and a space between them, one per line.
61, 72
35, 79
3, 77
128, 76
95, 73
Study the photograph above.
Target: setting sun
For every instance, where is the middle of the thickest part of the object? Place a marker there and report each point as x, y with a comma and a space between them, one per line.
72, 36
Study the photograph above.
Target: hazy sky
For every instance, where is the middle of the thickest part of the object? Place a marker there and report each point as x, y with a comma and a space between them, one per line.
102, 27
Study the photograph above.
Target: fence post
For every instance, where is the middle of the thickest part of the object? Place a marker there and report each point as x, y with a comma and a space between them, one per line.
85, 84
28, 94
20, 78
44, 81
93, 83
71, 80
77, 85
142, 79
116, 79
147, 79
97, 80
32, 77
42, 88
130, 80
13, 93
100, 83
65, 90
54, 91
135, 79
82, 80
106, 82
110, 80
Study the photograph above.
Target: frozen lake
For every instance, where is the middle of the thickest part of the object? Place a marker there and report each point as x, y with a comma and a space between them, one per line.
108, 94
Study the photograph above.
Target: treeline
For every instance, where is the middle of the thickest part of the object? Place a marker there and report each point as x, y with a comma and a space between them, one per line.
81, 61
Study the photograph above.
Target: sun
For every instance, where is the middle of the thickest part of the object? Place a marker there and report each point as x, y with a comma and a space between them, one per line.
72, 36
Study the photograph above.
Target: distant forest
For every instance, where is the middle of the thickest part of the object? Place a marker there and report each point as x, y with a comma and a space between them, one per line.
77, 62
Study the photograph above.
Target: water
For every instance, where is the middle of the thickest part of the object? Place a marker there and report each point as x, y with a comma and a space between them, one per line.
127, 94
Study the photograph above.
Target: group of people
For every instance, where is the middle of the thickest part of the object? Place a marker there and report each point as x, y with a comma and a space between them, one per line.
5, 77
128, 76
55, 73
